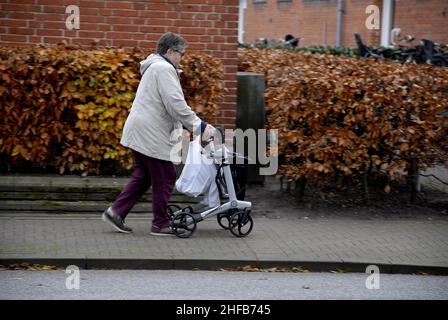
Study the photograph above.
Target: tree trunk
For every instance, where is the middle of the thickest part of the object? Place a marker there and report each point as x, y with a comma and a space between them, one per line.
300, 187
412, 178
366, 189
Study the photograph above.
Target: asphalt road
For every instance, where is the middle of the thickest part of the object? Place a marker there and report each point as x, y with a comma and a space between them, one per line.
219, 285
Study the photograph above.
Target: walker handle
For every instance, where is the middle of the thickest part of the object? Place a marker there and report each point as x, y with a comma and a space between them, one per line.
221, 131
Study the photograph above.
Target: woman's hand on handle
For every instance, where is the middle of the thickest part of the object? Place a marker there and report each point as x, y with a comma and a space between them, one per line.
210, 131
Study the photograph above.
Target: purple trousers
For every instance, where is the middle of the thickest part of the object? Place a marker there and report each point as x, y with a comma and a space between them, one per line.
148, 171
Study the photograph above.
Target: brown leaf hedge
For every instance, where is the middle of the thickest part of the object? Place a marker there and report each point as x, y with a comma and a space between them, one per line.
349, 117
337, 116
65, 107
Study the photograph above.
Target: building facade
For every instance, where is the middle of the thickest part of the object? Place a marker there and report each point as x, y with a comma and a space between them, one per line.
210, 26
316, 21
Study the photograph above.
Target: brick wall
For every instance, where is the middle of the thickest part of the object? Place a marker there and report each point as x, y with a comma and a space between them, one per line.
210, 26
315, 21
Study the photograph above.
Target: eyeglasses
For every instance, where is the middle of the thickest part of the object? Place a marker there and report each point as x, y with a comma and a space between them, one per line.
180, 52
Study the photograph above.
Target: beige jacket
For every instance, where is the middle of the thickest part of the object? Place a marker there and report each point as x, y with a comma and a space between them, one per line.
154, 124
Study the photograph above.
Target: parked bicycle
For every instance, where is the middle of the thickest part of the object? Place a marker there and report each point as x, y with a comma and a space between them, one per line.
426, 52
380, 53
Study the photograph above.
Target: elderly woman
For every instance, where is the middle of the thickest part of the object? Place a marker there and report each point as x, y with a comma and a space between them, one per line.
153, 131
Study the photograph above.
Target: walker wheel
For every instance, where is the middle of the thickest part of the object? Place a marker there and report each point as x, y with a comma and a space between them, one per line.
188, 209
172, 208
241, 223
183, 225
223, 224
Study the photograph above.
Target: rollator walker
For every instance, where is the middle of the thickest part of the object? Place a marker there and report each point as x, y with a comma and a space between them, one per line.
233, 213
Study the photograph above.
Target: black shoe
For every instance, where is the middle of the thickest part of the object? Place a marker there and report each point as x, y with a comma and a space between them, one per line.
115, 221
164, 231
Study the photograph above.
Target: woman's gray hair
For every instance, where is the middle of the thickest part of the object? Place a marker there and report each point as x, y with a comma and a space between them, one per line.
171, 41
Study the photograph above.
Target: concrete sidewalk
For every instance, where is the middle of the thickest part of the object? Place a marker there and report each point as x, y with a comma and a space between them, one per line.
282, 237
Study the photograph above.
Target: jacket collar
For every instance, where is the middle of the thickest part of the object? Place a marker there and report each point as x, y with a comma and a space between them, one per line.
178, 70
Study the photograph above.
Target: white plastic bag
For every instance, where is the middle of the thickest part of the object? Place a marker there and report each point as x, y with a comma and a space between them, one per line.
211, 195
198, 172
